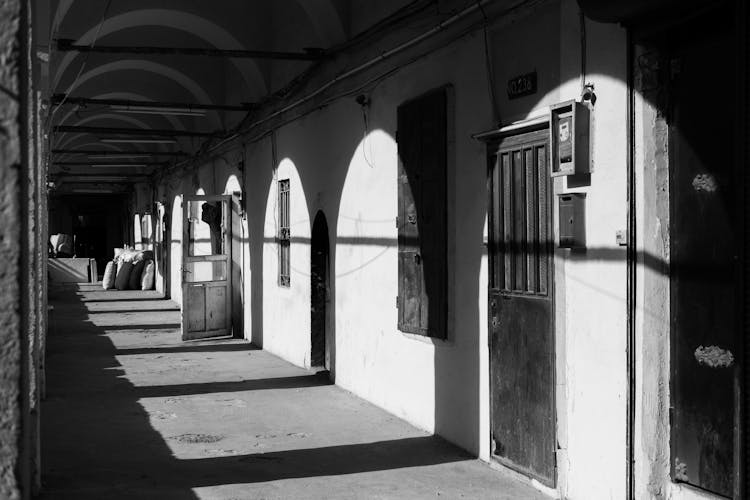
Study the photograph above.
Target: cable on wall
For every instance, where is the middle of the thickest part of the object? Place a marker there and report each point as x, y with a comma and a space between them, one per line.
582, 27
488, 65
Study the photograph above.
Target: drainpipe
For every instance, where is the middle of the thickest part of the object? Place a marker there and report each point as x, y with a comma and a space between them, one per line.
632, 256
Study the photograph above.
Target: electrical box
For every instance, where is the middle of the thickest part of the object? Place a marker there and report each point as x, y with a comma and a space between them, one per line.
569, 139
572, 220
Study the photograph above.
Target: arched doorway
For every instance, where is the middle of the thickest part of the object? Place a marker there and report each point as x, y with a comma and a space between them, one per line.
319, 252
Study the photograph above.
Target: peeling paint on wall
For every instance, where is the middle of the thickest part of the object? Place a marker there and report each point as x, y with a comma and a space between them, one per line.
714, 357
705, 182
680, 470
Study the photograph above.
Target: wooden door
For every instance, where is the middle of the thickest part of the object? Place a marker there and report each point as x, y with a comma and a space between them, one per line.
705, 221
422, 236
521, 329
206, 267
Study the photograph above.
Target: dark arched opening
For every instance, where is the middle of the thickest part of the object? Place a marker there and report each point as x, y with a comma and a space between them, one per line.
318, 290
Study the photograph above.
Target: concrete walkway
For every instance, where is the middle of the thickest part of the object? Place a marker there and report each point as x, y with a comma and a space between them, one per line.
132, 412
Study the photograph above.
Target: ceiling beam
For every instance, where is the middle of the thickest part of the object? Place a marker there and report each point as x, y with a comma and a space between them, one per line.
132, 131
107, 152
108, 163
86, 178
308, 54
58, 99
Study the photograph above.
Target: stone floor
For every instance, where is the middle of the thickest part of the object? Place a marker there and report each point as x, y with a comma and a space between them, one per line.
132, 412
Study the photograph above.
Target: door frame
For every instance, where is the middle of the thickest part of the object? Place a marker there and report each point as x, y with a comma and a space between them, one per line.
494, 140
226, 257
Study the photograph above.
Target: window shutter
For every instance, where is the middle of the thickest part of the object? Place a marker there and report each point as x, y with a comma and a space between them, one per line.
422, 239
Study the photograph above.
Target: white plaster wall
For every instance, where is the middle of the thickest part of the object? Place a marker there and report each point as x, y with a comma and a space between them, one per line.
137, 237
175, 255
374, 360
593, 351
159, 238
443, 386
286, 310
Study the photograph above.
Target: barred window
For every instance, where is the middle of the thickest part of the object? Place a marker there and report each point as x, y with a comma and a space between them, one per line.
283, 237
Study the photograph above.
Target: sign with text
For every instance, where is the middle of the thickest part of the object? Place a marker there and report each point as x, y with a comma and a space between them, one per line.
522, 85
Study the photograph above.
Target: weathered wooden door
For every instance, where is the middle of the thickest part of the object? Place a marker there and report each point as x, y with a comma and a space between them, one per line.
422, 237
521, 328
705, 255
206, 267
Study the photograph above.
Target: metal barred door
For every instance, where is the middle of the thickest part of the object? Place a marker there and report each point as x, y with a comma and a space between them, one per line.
522, 381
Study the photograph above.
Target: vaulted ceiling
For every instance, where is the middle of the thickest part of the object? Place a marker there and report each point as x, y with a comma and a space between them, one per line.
134, 84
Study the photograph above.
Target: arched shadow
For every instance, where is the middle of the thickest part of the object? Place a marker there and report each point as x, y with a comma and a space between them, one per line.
286, 260
175, 250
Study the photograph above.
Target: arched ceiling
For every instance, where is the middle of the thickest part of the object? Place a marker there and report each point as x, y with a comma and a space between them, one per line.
175, 84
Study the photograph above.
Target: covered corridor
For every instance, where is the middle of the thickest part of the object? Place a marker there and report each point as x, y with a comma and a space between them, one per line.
134, 412
375, 249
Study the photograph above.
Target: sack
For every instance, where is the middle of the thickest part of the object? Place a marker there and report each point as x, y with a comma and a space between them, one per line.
128, 256
108, 281
147, 279
123, 275
134, 283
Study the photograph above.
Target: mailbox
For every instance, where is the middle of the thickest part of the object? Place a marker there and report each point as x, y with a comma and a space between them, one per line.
569, 139
572, 220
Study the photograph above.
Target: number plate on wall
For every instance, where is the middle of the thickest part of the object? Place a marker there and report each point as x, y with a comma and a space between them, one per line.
522, 85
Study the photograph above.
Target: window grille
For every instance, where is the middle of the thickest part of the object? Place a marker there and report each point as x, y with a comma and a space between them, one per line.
284, 236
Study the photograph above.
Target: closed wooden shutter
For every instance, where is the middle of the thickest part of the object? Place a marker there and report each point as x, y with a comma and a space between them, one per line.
422, 262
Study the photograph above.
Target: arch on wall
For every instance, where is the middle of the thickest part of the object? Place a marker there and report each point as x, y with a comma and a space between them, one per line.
212, 33
174, 121
105, 116
137, 236
287, 296
133, 96
168, 72
161, 248
147, 230
175, 250
240, 254
325, 19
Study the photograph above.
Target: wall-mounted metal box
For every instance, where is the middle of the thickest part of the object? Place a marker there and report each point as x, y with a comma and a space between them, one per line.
572, 220
569, 139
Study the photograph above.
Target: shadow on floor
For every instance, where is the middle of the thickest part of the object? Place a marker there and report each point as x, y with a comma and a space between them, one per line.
98, 441
213, 347
117, 328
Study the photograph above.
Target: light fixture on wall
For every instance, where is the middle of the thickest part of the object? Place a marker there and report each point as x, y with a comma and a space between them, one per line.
156, 110
138, 141
92, 191
588, 94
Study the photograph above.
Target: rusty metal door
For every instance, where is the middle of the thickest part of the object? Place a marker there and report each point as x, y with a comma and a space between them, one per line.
521, 329
206, 267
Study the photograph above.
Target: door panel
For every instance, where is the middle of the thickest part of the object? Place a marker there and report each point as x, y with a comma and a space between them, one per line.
196, 316
216, 311
521, 325
206, 265
704, 250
